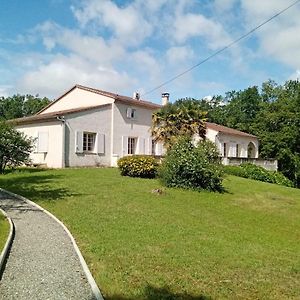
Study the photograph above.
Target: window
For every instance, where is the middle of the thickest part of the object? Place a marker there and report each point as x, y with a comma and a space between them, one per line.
153, 148
131, 145
225, 150
237, 150
89, 139
131, 113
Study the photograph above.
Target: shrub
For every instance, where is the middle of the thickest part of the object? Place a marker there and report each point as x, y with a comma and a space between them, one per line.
251, 171
138, 166
192, 167
235, 170
257, 172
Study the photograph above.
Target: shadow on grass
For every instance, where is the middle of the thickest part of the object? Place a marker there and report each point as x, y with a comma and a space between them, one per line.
36, 187
160, 293
24, 170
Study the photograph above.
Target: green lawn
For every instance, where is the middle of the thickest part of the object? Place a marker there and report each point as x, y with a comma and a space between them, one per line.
4, 230
242, 244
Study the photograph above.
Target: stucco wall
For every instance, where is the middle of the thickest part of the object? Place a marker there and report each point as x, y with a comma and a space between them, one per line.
137, 127
97, 121
53, 158
231, 142
76, 99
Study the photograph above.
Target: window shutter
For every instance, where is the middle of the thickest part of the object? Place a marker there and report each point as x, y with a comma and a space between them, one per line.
42, 142
159, 149
149, 147
78, 142
100, 143
125, 145
141, 146
128, 112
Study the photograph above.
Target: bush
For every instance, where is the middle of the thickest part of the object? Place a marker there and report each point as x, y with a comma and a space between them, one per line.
235, 170
257, 172
192, 167
251, 171
138, 166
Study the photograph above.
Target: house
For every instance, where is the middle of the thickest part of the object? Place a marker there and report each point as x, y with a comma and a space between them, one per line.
236, 146
89, 127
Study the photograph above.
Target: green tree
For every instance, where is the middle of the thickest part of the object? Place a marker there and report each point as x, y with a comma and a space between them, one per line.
14, 147
242, 108
18, 106
184, 117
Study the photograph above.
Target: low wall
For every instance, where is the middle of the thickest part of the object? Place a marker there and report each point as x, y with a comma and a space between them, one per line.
268, 164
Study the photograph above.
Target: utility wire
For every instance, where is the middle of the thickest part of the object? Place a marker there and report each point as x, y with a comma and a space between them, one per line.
222, 49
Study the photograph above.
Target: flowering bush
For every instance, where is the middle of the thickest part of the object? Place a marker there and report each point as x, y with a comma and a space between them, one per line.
138, 166
192, 167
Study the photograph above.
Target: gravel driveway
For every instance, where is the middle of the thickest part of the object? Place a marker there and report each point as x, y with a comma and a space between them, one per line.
42, 263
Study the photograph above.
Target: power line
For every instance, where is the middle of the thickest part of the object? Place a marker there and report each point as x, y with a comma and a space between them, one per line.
222, 49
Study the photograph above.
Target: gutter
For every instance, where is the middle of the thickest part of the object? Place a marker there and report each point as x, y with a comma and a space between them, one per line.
63, 150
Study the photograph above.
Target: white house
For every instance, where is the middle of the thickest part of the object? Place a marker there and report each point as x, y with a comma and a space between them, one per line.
89, 127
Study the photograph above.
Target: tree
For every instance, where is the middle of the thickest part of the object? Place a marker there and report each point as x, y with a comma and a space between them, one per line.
14, 147
19, 106
185, 117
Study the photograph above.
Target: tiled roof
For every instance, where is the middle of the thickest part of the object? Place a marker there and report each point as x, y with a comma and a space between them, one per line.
228, 130
114, 96
48, 117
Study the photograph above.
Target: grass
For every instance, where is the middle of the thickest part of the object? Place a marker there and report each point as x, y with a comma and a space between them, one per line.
242, 244
4, 230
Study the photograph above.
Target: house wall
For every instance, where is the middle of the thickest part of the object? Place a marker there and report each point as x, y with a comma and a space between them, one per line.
97, 121
231, 142
78, 98
53, 157
138, 127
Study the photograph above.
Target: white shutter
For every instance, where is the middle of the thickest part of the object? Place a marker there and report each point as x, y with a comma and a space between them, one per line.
78, 142
42, 142
141, 146
100, 143
128, 112
125, 145
159, 149
149, 147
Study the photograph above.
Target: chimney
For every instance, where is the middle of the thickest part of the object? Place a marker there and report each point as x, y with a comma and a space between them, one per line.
136, 96
165, 98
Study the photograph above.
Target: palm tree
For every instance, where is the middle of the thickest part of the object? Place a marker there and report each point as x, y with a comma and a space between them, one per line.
182, 118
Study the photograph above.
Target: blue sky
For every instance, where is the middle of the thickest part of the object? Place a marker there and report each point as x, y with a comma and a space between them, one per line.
124, 46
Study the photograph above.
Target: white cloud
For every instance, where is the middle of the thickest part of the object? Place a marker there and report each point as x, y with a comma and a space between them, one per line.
126, 23
180, 54
295, 75
65, 71
191, 25
6, 90
279, 38
224, 5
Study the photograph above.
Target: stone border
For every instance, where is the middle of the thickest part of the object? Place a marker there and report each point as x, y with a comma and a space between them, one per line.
83, 263
4, 253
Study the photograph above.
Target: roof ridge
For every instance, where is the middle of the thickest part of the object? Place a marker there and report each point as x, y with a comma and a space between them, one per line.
228, 130
103, 93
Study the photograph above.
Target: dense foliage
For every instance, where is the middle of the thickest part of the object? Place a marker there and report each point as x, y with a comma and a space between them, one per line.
272, 113
183, 117
14, 147
19, 106
252, 171
192, 167
138, 166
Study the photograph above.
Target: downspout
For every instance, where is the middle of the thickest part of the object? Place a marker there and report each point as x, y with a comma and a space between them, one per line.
63, 124
112, 134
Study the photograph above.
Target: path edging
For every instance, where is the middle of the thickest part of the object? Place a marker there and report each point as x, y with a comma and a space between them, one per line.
4, 253
90, 278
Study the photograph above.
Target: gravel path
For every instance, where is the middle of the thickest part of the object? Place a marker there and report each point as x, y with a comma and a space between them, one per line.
42, 263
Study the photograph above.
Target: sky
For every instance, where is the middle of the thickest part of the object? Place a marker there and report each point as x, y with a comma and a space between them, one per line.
48, 46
